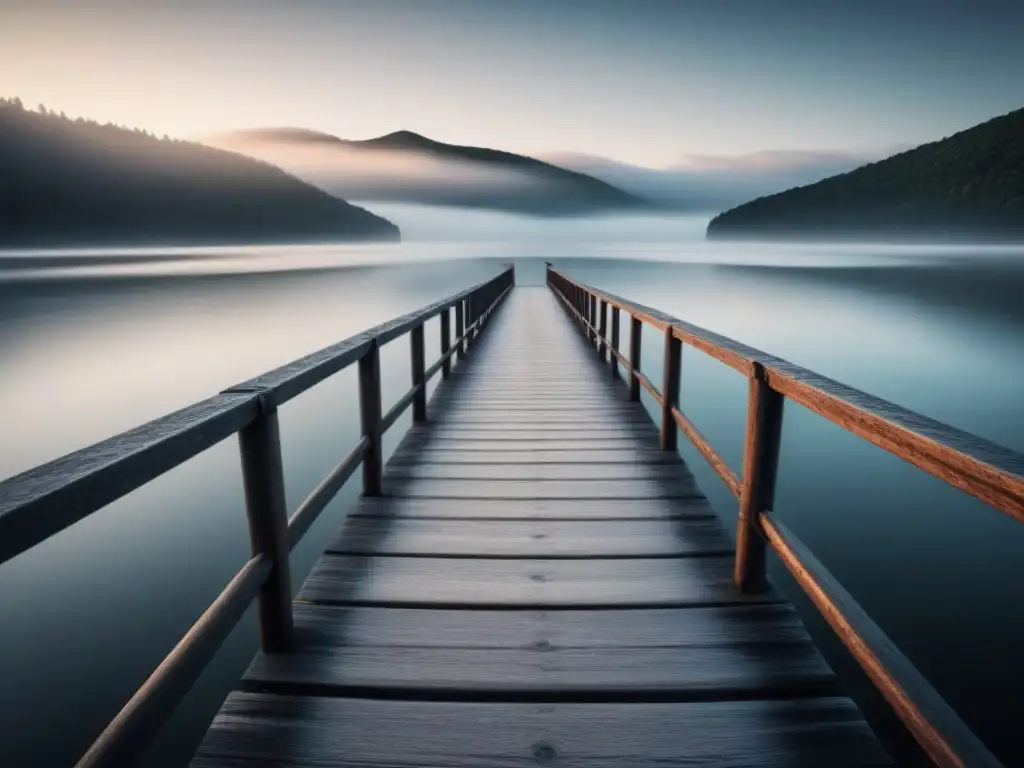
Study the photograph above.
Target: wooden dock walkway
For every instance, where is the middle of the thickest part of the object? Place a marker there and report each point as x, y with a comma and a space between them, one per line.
534, 578
539, 584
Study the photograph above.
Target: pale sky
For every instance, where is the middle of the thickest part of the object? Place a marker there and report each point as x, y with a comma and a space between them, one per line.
643, 81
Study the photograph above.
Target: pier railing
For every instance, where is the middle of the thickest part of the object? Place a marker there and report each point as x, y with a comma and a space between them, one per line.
43, 501
985, 470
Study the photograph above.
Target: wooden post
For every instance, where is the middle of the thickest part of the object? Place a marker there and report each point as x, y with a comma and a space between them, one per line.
446, 342
459, 329
636, 332
602, 329
615, 342
592, 314
586, 314
760, 467
670, 390
263, 482
369, 419
419, 365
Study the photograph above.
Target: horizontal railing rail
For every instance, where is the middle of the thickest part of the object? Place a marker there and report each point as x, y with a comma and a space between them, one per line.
983, 469
43, 501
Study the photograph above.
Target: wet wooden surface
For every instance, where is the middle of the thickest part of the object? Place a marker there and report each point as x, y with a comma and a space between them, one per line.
539, 585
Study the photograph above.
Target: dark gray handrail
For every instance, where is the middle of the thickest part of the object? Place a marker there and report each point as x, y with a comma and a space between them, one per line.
42, 501
45, 500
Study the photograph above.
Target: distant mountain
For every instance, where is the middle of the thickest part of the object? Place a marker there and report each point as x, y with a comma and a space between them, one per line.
75, 182
710, 182
969, 185
407, 167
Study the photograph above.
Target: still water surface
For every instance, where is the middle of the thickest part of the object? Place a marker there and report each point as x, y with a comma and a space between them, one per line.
96, 342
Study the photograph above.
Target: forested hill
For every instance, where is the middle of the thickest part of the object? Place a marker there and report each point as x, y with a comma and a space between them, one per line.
410, 168
76, 182
968, 185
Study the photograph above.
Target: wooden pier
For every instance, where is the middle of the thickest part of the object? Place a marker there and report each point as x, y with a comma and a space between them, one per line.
534, 577
538, 583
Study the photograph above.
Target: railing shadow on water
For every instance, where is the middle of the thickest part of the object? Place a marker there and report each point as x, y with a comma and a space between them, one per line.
41, 502
985, 470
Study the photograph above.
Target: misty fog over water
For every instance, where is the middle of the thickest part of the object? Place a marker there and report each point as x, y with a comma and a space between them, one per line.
96, 342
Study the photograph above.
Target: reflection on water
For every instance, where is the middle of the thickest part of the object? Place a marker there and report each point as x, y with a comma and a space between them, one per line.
98, 342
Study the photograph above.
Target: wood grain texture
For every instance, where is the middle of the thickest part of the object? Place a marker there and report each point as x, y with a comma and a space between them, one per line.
635, 488
328, 626
545, 471
479, 418
531, 538
40, 502
532, 509
510, 583
628, 456
263, 730
518, 442
547, 673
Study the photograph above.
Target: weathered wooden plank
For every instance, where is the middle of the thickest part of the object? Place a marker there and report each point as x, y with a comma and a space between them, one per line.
515, 442
548, 471
289, 731
481, 418
628, 456
515, 403
536, 538
638, 431
509, 583
637, 488
547, 673
532, 509
328, 626
581, 429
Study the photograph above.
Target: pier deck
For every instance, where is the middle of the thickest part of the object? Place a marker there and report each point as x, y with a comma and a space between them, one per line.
538, 584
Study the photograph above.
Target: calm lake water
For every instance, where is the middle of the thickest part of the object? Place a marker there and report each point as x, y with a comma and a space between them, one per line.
96, 342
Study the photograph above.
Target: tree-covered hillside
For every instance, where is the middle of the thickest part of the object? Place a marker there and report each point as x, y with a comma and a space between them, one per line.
970, 184
76, 182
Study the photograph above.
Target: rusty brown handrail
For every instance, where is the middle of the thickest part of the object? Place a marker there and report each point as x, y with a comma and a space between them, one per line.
43, 501
987, 471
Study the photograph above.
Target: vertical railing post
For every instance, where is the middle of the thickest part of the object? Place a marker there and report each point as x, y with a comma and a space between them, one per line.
419, 366
760, 468
369, 419
459, 329
263, 482
602, 329
592, 314
615, 342
446, 342
670, 390
586, 314
636, 335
